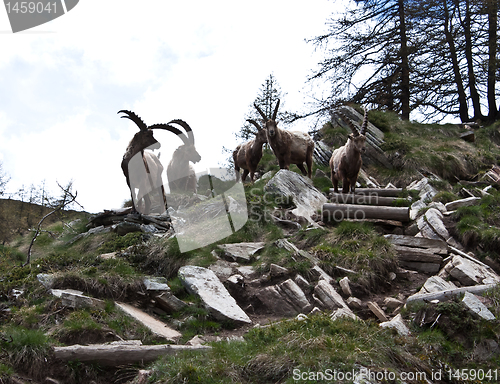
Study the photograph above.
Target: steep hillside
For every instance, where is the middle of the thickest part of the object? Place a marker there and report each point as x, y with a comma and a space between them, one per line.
310, 295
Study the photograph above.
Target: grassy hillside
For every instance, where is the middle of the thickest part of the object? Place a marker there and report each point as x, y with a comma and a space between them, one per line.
32, 321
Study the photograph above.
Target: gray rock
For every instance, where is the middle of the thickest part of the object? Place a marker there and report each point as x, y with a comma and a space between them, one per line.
285, 299
475, 306
277, 270
169, 302
327, 294
290, 185
470, 273
436, 284
486, 349
398, 324
215, 297
344, 284
126, 227
343, 312
46, 279
156, 283
242, 251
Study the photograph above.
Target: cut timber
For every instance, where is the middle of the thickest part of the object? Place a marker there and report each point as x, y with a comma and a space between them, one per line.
448, 294
418, 242
420, 266
120, 354
368, 199
337, 212
381, 192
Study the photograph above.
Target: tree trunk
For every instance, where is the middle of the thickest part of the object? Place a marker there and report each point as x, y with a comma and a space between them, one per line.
462, 99
474, 94
448, 294
492, 7
405, 66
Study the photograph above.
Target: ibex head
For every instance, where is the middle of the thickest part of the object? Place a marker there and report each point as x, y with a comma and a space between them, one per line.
357, 138
144, 138
188, 148
260, 136
270, 122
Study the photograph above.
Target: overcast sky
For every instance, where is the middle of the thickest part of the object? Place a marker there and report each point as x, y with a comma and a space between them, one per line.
62, 83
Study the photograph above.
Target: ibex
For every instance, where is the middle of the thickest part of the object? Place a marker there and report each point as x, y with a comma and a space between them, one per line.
142, 169
180, 174
346, 161
248, 155
289, 147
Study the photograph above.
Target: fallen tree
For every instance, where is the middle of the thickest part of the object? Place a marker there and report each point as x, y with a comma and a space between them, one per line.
338, 212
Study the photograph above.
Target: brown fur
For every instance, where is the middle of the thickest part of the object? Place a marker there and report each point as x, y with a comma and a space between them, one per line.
248, 155
346, 161
289, 147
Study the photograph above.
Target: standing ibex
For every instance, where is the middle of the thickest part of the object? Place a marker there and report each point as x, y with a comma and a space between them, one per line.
346, 161
180, 174
142, 169
248, 155
288, 147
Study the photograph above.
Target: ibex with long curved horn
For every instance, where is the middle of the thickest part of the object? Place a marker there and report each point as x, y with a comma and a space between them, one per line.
142, 168
248, 155
180, 173
289, 147
346, 161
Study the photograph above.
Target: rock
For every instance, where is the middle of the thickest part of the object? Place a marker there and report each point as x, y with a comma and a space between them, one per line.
354, 302
196, 340
328, 296
451, 206
247, 271
276, 270
156, 284
486, 349
392, 303
288, 185
59, 292
77, 301
301, 282
320, 173
435, 219
241, 250
223, 269
125, 227
436, 284
377, 311
343, 312
215, 297
470, 273
344, 284
398, 324
46, 279
426, 193
468, 136
108, 256
169, 302
475, 306
285, 299
319, 274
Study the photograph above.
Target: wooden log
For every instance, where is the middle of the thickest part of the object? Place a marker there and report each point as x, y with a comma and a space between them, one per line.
418, 254
368, 199
417, 242
338, 212
381, 192
120, 354
450, 293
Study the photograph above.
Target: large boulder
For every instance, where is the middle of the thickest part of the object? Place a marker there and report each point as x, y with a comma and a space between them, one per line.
285, 299
287, 185
215, 297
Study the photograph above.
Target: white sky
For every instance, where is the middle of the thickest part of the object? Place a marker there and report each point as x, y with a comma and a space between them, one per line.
63, 82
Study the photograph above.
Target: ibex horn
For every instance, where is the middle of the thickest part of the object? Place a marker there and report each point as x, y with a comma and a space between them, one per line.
349, 123
186, 127
365, 122
276, 110
136, 119
255, 123
167, 127
261, 113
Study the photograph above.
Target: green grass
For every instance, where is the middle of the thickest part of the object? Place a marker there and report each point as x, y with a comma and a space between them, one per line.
276, 353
